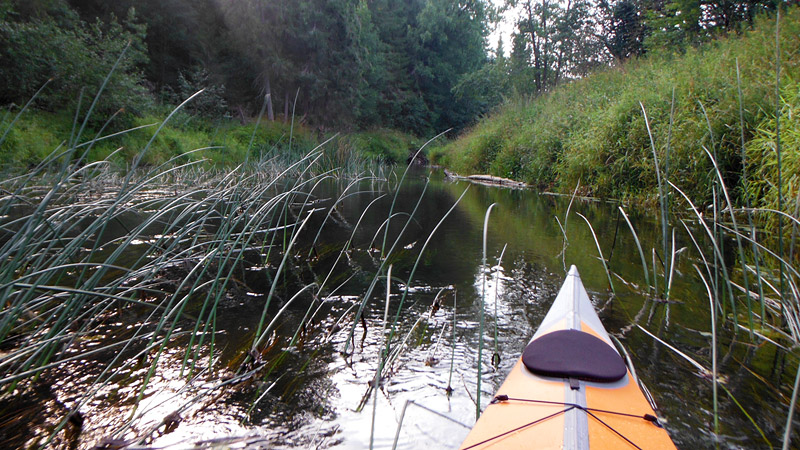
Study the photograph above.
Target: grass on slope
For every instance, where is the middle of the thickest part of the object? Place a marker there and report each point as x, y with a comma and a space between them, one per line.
593, 130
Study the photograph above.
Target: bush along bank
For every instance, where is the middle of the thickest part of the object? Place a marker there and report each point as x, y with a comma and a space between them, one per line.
593, 132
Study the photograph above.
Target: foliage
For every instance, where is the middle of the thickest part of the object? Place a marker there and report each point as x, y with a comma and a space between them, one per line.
559, 41
762, 158
555, 41
77, 56
211, 104
387, 146
420, 66
341, 63
592, 131
623, 28
449, 42
673, 24
225, 142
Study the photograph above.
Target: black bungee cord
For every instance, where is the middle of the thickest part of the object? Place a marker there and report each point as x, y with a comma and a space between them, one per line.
569, 406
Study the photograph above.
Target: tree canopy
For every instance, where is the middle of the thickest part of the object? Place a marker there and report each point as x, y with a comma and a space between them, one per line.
421, 66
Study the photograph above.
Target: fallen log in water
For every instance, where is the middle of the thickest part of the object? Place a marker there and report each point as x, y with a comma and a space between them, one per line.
487, 179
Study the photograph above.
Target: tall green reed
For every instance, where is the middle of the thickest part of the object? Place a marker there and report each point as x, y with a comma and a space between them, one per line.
483, 312
73, 258
599, 251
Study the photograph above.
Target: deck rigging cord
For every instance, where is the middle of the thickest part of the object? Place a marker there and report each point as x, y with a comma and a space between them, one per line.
569, 407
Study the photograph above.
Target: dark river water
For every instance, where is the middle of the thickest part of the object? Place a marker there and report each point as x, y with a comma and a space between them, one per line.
319, 396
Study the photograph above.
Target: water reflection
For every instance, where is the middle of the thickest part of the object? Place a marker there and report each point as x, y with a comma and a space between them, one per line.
319, 394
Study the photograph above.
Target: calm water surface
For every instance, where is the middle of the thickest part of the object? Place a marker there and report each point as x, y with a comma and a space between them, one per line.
318, 396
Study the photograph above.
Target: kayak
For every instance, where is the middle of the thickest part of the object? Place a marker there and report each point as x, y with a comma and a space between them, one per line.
570, 389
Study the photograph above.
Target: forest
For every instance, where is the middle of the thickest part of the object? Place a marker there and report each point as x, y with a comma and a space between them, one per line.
419, 66
340, 223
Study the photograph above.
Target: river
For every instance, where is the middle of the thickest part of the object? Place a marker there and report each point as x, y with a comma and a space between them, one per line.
319, 395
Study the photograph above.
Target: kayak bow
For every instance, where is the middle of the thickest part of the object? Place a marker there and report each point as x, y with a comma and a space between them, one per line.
570, 389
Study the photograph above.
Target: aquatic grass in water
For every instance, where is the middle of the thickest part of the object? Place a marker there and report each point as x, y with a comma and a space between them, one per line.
84, 247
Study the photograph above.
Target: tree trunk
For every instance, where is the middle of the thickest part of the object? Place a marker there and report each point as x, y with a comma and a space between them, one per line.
559, 64
286, 107
270, 113
545, 50
241, 115
537, 73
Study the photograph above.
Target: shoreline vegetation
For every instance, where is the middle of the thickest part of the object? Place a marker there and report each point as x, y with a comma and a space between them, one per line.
589, 133
223, 143
599, 132
592, 132
113, 220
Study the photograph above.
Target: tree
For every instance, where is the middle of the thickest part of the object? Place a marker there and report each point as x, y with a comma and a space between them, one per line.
490, 84
554, 41
366, 63
50, 41
674, 24
182, 37
450, 44
622, 27
316, 50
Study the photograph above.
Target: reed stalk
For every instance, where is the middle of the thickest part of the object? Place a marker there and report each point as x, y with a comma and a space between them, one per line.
600, 252
61, 236
638, 247
482, 313
715, 244
787, 432
742, 260
381, 355
662, 195
496, 354
714, 379
449, 389
564, 227
98, 95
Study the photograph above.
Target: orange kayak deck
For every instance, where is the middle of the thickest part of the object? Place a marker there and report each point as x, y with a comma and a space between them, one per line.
516, 424
540, 412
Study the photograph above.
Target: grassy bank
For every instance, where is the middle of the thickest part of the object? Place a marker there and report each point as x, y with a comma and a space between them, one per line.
224, 142
593, 131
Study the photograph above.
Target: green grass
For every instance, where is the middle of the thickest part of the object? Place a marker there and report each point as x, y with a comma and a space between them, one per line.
95, 221
226, 142
83, 247
618, 133
762, 161
593, 130
387, 146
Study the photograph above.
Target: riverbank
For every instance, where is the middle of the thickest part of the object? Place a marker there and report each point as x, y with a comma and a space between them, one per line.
225, 142
593, 132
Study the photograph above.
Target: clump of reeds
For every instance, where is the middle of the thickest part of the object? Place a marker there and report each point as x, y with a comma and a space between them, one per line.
84, 245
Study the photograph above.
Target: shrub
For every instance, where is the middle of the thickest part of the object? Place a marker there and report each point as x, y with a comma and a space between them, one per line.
388, 146
76, 56
210, 104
